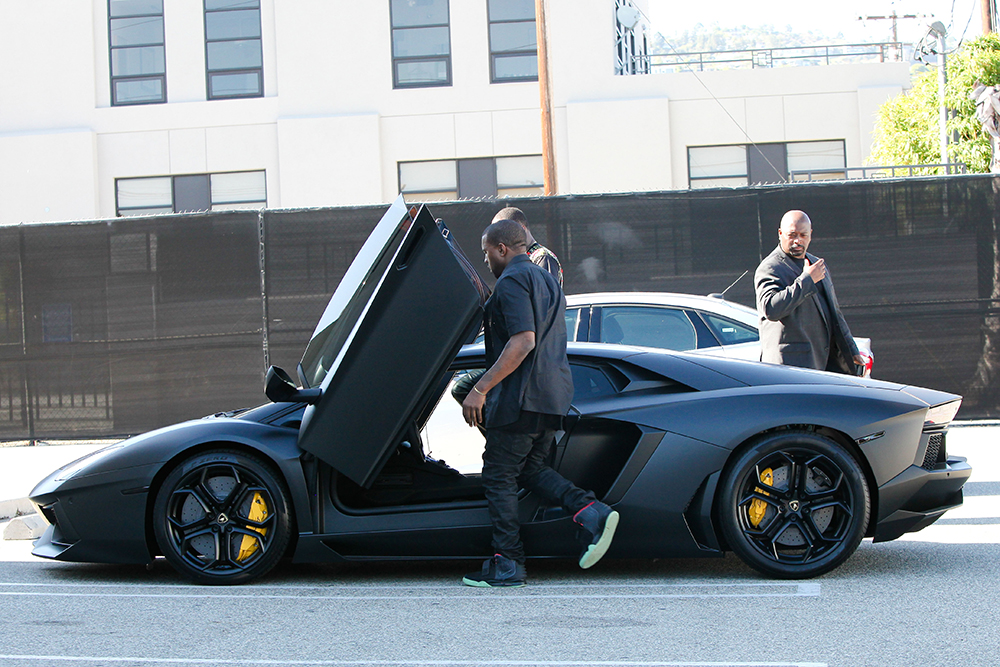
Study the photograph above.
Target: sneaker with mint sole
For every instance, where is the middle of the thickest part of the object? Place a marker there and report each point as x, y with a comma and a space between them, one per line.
498, 571
597, 526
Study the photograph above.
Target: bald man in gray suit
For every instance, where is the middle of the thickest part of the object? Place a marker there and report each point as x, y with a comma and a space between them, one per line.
800, 319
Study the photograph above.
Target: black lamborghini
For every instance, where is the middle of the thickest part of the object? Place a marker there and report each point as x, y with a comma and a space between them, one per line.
790, 469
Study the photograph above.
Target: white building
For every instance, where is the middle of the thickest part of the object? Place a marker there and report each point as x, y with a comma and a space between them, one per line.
116, 106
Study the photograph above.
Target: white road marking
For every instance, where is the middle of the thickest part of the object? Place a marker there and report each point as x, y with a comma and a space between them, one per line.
396, 587
435, 592
403, 663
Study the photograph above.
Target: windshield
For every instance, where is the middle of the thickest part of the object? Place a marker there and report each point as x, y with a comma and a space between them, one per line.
353, 296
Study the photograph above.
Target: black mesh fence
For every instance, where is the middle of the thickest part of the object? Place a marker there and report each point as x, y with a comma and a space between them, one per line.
116, 327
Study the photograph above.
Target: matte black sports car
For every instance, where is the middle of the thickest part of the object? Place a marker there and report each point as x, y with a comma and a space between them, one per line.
788, 468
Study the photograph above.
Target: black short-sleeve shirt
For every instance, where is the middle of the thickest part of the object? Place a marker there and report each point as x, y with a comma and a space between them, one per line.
528, 298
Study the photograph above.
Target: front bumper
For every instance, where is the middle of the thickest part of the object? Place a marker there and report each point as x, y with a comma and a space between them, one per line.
917, 497
100, 518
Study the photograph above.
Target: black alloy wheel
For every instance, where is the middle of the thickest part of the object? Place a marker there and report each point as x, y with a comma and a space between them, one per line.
222, 517
794, 504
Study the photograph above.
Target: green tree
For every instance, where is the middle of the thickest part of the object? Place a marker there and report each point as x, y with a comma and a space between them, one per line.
907, 132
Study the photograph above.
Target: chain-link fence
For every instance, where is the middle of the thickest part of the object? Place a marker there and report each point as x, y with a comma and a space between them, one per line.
116, 327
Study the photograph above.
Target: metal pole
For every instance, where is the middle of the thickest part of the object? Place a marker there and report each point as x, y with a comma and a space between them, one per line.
942, 86
265, 328
548, 159
26, 412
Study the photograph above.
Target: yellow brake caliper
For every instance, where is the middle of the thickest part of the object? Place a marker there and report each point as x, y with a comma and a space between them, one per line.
258, 512
757, 506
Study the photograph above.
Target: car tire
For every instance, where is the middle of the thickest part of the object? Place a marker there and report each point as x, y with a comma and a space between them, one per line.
222, 517
793, 504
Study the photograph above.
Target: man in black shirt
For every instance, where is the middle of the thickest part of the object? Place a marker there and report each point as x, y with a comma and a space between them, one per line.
539, 255
522, 399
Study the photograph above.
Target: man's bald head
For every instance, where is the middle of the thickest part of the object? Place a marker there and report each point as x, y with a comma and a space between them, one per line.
795, 216
795, 233
502, 241
508, 232
511, 213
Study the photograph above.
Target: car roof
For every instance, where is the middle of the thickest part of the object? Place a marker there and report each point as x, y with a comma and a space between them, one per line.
693, 301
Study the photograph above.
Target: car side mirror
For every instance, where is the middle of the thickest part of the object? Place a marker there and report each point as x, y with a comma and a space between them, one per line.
278, 387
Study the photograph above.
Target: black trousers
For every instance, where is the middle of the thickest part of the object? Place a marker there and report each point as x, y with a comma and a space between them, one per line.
512, 460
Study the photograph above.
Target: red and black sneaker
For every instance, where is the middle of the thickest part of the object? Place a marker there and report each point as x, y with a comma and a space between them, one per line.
497, 571
597, 527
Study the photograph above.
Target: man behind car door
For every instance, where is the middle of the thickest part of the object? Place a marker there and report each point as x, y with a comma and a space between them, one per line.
522, 399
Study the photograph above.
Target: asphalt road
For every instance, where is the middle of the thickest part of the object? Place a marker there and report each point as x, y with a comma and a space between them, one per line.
928, 599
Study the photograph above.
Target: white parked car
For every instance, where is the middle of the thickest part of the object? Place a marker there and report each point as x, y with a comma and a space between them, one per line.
684, 322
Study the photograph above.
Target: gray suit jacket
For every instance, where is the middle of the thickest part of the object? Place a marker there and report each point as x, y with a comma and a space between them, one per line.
793, 322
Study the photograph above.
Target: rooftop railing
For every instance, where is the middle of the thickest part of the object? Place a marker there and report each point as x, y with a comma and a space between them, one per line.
792, 56
895, 171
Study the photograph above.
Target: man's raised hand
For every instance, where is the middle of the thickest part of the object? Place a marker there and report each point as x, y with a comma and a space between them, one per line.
815, 271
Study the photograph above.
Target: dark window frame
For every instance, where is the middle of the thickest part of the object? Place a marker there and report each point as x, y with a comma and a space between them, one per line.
494, 55
747, 150
458, 173
258, 70
173, 190
746, 163
843, 147
419, 59
399, 176
162, 78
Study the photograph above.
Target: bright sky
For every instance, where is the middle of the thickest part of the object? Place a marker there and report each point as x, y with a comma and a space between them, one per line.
831, 18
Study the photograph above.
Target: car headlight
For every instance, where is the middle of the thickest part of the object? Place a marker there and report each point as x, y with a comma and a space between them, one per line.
942, 414
70, 470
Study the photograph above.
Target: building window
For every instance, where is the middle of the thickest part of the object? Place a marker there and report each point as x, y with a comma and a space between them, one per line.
470, 178
521, 176
138, 64
190, 192
513, 41
421, 43
233, 55
827, 157
717, 166
429, 181
753, 164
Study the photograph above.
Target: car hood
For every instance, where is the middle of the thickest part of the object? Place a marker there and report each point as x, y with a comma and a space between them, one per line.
405, 306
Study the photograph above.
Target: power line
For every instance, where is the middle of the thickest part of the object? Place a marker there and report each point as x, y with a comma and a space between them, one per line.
722, 106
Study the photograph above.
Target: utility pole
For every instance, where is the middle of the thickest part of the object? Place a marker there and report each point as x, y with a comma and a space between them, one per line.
988, 9
544, 91
938, 30
893, 17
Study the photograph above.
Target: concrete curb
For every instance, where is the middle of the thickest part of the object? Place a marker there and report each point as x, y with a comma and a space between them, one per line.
10, 509
25, 528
